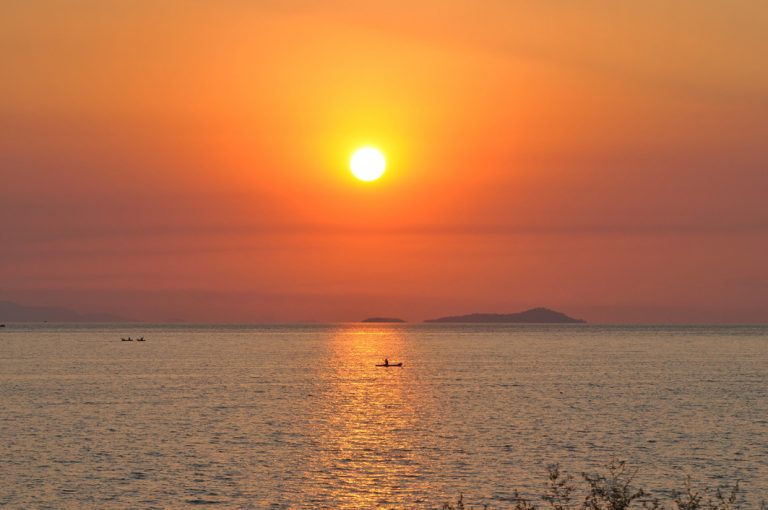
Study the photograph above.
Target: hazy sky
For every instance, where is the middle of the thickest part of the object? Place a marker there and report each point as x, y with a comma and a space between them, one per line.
188, 159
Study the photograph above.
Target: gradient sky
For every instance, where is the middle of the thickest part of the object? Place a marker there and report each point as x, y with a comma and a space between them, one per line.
187, 159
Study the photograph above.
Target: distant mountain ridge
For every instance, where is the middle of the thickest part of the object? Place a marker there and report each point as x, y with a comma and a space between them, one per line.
533, 316
382, 319
15, 312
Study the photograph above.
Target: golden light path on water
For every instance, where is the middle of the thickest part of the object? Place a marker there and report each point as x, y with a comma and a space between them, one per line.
366, 450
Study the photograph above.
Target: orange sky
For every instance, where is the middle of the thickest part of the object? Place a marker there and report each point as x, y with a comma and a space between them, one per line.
178, 159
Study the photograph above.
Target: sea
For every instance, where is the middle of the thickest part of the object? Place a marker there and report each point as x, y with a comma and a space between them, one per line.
300, 416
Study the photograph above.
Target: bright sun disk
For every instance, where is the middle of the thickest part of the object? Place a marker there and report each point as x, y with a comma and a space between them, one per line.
367, 164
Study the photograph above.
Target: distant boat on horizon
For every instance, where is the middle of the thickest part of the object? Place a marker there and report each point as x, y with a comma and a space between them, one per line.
387, 365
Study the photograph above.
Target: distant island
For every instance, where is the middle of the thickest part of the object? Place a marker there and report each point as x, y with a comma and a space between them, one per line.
15, 312
532, 316
382, 319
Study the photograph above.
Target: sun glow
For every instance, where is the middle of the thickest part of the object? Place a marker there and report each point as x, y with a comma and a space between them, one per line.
367, 164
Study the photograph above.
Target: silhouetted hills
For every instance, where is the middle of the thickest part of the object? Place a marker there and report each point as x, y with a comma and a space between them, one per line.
14, 312
532, 316
382, 319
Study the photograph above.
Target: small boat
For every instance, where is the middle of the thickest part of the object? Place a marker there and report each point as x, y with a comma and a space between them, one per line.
129, 339
140, 339
390, 365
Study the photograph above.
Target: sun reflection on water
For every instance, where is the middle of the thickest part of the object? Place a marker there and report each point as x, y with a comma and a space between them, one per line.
364, 438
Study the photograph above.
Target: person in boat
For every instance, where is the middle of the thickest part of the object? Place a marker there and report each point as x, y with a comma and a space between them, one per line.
386, 362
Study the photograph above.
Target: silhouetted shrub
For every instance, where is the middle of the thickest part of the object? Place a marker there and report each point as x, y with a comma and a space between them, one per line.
615, 489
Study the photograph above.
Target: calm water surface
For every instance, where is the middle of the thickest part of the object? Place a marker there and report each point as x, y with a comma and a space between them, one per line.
299, 416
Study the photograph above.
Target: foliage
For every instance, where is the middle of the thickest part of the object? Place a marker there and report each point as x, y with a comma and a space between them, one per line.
561, 489
612, 491
459, 504
614, 488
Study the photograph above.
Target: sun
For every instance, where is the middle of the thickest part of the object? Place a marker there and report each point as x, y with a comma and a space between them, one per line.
367, 164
